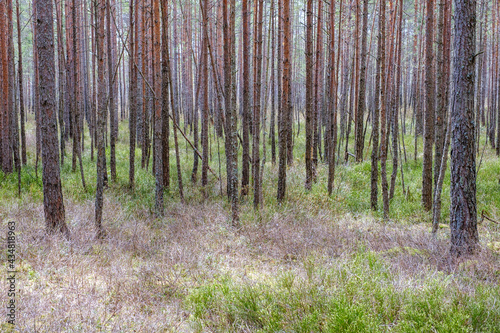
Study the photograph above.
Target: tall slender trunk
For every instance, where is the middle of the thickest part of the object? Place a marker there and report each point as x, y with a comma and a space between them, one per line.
256, 107
111, 93
132, 95
383, 113
52, 190
286, 107
309, 96
429, 116
318, 90
376, 118
21, 87
158, 119
245, 173
101, 121
165, 134
204, 120
361, 102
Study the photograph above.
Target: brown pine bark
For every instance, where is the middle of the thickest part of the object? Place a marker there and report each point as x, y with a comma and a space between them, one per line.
62, 80
286, 107
332, 123
361, 102
259, 5
245, 173
383, 113
204, 108
463, 210
5, 111
21, 87
272, 123
429, 116
101, 110
77, 124
132, 95
14, 120
158, 119
52, 192
318, 90
376, 119
230, 105
165, 135
111, 92
309, 96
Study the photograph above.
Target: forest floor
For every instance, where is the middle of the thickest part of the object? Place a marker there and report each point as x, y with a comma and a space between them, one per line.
314, 263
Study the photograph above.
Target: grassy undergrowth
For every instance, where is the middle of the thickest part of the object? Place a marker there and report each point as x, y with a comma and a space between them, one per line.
314, 263
357, 295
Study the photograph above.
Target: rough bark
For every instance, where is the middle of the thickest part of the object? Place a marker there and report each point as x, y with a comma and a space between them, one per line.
205, 111
132, 96
246, 107
101, 121
309, 95
429, 115
165, 135
286, 107
361, 103
158, 121
376, 119
111, 93
463, 210
383, 114
256, 106
21, 87
52, 190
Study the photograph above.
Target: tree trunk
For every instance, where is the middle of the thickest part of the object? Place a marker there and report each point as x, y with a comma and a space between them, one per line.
383, 114
361, 104
286, 107
309, 96
376, 116
158, 121
204, 74
245, 173
132, 96
111, 93
52, 190
463, 210
101, 121
230, 106
429, 116
256, 107
21, 87
165, 135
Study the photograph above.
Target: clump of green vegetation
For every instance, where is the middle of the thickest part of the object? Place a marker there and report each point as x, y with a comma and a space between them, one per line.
358, 295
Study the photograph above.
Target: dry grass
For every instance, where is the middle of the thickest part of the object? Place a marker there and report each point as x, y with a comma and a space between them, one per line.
136, 279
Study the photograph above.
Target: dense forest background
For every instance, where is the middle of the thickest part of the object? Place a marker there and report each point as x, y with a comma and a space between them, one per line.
253, 164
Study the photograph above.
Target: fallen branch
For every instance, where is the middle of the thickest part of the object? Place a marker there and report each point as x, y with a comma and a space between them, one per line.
484, 216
